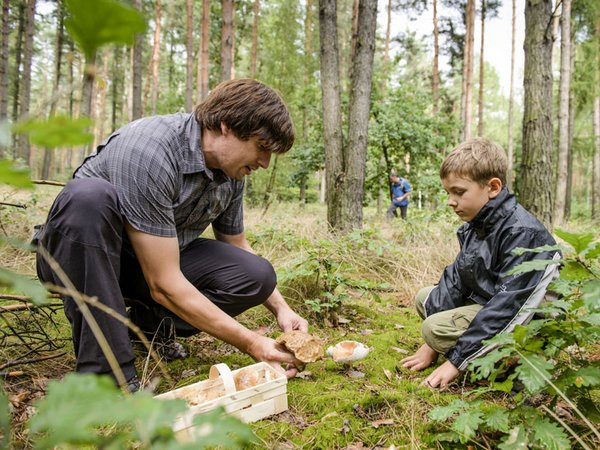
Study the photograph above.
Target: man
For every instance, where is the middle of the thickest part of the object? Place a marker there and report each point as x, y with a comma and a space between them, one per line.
401, 190
126, 230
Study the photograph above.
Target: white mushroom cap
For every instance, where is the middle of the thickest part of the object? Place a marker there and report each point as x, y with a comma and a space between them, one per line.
348, 351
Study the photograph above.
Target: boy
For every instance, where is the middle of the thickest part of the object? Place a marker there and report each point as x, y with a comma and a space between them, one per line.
475, 299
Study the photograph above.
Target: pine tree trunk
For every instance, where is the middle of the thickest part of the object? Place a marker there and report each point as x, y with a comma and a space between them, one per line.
571, 132
48, 152
435, 84
87, 91
354, 36
151, 88
4, 75
254, 50
481, 73
308, 31
203, 54
563, 115
596, 157
468, 71
227, 39
99, 131
25, 147
536, 189
358, 118
17, 69
511, 99
136, 71
189, 49
332, 111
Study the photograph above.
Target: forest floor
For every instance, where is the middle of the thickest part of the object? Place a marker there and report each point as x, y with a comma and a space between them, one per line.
373, 276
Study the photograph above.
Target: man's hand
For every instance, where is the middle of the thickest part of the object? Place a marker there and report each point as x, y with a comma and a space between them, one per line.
288, 320
442, 376
268, 350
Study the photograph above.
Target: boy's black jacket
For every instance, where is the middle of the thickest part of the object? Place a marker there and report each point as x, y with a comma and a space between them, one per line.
479, 272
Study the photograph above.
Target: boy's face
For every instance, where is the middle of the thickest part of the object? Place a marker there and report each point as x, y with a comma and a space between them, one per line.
466, 197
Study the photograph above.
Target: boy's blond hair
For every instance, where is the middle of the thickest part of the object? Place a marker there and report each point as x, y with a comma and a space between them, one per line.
477, 159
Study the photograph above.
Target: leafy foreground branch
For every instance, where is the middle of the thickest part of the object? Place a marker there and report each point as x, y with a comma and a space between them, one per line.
544, 368
88, 410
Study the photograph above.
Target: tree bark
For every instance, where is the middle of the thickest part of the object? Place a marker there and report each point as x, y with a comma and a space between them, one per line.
354, 36
152, 77
308, 34
189, 50
227, 39
563, 115
571, 132
203, 54
87, 89
468, 71
435, 83
25, 147
4, 75
136, 71
481, 73
536, 190
511, 99
332, 112
254, 50
596, 157
358, 119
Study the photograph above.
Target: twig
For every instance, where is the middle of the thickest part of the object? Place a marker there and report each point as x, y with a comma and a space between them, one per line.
49, 182
15, 205
30, 361
566, 427
23, 298
26, 306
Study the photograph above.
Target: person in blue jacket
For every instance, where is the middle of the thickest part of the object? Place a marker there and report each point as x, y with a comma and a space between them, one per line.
401, 190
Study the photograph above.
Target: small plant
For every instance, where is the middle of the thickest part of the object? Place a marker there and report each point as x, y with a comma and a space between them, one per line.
545, 366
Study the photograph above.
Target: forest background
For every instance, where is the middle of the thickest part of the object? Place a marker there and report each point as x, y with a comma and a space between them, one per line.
422, 90
364, 100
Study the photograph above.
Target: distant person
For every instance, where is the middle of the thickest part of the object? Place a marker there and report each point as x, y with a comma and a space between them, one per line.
401, 190
475, 298
127, 228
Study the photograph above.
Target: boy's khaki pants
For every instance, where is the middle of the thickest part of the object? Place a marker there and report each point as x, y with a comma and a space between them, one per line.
442, 330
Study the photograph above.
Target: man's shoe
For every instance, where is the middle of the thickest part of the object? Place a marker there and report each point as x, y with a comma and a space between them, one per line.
134, 384
170, 349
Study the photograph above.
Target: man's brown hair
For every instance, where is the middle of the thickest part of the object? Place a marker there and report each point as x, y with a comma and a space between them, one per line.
249, 109
477, 159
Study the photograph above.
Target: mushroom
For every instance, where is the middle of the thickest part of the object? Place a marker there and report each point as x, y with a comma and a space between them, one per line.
348, 351
304, 346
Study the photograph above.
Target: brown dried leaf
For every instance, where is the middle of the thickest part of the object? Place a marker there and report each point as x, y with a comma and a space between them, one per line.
388, 374
378, 423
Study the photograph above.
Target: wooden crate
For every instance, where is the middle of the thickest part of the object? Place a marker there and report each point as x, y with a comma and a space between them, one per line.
249, 404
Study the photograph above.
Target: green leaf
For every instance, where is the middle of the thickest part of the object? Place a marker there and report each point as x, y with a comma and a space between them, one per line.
486, 365
103, 22
5, 430
592, 319
579, 241
574, 271
593, 251
550, 435
223, 430
533, 371
443, 413
530, 266
516, 439
591, 294
14, 175
24, 285
544, 248
58, 131
467, 423
498, 419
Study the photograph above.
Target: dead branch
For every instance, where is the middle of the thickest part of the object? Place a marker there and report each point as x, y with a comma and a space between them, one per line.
15, 205
49, 182
30, 361
23, 298
27, 306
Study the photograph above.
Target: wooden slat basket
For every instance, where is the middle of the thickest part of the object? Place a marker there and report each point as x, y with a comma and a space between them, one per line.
250, 393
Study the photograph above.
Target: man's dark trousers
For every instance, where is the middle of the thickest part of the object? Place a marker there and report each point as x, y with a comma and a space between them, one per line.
85, 234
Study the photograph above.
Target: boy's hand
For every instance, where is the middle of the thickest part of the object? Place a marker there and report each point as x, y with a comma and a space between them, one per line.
422, 359
441, 376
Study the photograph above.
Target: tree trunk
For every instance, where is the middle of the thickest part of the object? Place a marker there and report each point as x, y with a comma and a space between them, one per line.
354, 36
203, 54
136, 71
227, 39
332, 111
308, 30
4, 75
468, 71
481, 73
24, 146
571, 132
189, 50
153, 67
17, 76
435, 84
563, 115
596, 158
48, 152
99, 131
254, 50
511, 99
87, 89
536, 189
358, 118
